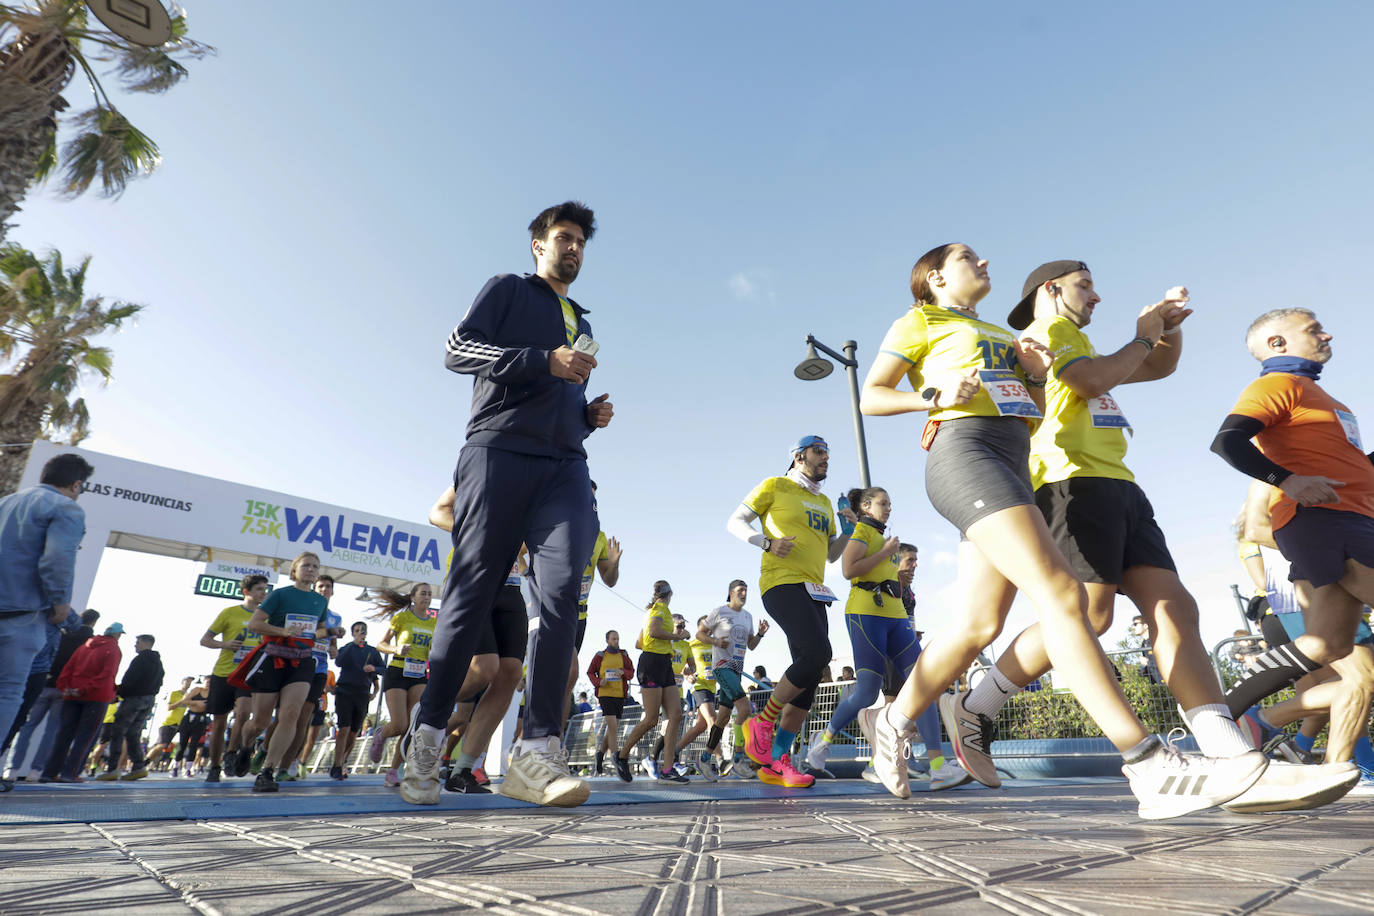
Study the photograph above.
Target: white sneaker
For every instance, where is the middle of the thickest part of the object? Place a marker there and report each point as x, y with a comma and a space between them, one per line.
1363, 788
542, 777
971, 735
949, 776
707, 767
890, 751
818, 755
1296, 787
294, 770
176, 770
420, 784
1169, 783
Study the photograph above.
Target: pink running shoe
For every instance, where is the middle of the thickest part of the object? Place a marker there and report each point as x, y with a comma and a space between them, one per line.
374, 750
758, 740
782, 773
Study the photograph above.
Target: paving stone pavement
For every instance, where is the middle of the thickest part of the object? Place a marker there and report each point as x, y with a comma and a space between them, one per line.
1052, 847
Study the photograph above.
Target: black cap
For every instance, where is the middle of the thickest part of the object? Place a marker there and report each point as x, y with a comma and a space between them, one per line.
1024, 313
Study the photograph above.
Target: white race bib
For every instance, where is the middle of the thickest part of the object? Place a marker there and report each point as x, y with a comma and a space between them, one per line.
307, 623
1008, 393
1351, 427
820, 592
414, 667
612, 674
1106, 413
585, 591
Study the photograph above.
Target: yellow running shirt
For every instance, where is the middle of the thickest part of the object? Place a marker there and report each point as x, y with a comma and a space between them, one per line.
862, 601
174, 715
232, 624
681, 649
1078, 438
941, 343
416, 632
569, 320
701, 655
598, 554
787, 509
665, 617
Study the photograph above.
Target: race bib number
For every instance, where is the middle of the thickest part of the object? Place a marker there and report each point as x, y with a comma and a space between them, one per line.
1351, 427
585, 591
820, 592
307, 624
612, 674
241, 653
1008, 393
414, 667
1106, 413
514, 579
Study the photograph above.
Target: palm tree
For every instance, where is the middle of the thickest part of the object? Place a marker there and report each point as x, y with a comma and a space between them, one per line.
43, 44
44, 311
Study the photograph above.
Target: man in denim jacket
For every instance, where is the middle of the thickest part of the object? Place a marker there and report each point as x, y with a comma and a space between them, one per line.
40, 530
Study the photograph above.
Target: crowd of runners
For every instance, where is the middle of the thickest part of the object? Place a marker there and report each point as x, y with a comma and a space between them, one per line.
1026, 458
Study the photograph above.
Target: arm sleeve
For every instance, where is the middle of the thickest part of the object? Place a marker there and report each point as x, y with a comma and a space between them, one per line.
57, 563
1233, 444
741, 526
472, 347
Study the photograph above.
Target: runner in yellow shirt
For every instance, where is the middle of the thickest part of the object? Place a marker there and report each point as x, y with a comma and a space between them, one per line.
704, 693
799, 536
657, 683
230, 634
972, 379
168, 729
409, 635
605, 562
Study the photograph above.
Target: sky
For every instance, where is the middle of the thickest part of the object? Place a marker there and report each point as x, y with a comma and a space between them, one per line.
338, 185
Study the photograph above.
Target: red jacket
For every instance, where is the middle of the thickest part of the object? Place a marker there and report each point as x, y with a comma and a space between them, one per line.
91, 670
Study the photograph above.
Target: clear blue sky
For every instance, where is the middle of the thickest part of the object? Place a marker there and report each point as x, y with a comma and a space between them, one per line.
342, 179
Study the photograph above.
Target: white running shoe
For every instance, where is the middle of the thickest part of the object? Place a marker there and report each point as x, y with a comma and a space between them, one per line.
818, 755
420, 785
890, 751
949, 776
543, 777
1296, 787
707, 767
971, 735
871, 775
1169, 783
1363, 788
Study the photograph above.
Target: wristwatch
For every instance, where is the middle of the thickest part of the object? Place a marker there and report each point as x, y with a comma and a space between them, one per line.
930, 393
767, 544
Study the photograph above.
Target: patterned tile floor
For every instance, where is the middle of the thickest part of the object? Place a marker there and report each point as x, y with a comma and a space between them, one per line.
1034, 847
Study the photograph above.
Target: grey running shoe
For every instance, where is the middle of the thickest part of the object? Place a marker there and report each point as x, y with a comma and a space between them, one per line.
420, 785
971, 735
890, 751
543, 777
949, 776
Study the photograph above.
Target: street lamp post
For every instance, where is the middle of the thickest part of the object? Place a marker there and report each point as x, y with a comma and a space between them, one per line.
817, 367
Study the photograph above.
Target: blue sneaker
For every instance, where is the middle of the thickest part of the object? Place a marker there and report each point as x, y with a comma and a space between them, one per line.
1254, 726
1366, 784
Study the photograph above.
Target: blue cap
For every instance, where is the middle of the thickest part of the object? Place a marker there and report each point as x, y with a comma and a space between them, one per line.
806, 442
114, 629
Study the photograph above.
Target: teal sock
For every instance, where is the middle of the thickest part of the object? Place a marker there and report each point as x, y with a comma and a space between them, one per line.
1364, 754
1307, 743
782, 743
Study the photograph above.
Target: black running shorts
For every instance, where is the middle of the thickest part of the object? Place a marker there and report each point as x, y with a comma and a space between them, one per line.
1103, 526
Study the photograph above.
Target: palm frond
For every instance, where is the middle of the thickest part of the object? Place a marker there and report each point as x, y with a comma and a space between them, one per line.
109, 148
143, 69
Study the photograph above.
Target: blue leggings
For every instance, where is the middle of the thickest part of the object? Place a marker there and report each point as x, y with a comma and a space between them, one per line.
875, 640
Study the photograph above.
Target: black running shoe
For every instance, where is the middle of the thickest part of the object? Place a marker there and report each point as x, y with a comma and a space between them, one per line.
265, 782
213, 775
464, 783
622, 769
336, 772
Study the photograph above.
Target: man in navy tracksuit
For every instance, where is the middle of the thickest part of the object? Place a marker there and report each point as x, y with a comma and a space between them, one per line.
521, 478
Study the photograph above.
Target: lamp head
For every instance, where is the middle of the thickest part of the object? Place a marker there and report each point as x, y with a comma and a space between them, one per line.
814, 366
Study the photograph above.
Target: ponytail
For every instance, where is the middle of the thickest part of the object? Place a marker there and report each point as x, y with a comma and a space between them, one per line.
661, 588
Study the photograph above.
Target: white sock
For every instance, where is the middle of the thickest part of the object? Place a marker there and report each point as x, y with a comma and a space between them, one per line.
901, 723
991, 694
548, 745
481, 759
1216, 732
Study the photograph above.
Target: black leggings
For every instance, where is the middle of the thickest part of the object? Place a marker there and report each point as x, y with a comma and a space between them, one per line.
191, 731
803, 621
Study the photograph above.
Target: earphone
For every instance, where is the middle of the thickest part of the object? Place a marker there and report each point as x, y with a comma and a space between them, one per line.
1276, 341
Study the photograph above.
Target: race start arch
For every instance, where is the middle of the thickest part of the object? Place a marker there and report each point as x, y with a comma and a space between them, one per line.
136, 506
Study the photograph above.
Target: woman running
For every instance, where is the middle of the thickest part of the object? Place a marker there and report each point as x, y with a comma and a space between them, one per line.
704, 693
972, 377
657, 685
879, 629
279, 670
407, 640
191, 729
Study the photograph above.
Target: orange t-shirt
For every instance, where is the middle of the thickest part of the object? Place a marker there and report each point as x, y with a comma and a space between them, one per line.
1311, 433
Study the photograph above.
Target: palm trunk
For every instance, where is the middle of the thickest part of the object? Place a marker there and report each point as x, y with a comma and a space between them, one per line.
26, 426
33, 71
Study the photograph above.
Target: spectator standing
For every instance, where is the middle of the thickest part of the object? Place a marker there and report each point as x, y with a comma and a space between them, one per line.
88, 687
137, 693
40, 530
